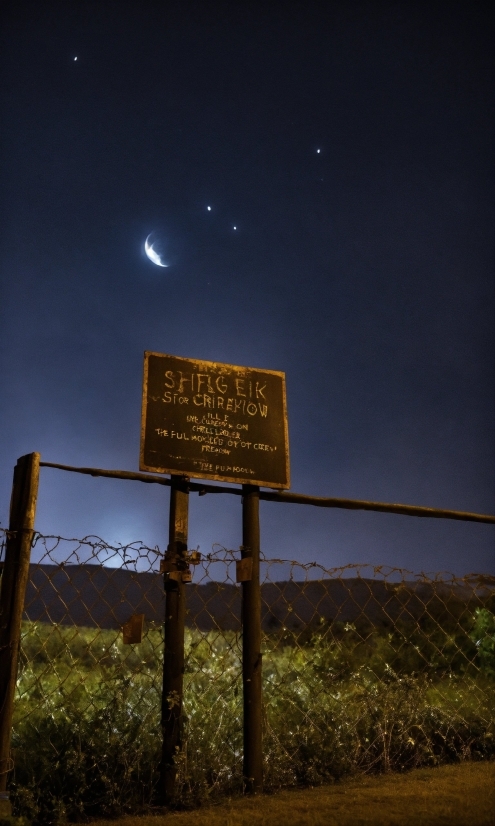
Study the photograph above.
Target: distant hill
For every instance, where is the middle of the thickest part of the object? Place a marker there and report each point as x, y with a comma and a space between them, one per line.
95, 596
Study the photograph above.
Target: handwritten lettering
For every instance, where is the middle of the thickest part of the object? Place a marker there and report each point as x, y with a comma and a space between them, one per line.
175, 398
221, 469
210, 440
214, 449
207, 391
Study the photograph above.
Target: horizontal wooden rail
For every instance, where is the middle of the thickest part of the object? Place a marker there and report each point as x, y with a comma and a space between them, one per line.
384, 507
115, 474
194, 487
295, 498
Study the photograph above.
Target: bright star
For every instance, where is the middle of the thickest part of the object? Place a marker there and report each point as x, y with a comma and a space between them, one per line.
318, 151
235, 227
208, 208
75, 58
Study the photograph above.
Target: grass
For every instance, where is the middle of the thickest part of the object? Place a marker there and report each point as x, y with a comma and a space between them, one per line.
337, 701
460, 795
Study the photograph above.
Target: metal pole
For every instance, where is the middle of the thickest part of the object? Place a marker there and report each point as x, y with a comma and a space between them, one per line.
251, 642
174, 567
12, 593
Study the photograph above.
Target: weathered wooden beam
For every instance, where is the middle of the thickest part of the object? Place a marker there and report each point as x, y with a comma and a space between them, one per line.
12, 593
251, 642
296, 498
174, 629
383, 507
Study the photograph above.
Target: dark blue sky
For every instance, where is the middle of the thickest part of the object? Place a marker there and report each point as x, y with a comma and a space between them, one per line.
364, 271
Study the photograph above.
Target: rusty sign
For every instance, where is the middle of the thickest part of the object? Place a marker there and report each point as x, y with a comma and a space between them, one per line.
214, 421
132, 630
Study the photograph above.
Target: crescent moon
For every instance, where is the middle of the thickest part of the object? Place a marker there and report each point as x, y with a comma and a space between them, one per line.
152, 254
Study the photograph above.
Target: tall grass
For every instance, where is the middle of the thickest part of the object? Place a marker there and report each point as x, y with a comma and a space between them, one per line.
337, 700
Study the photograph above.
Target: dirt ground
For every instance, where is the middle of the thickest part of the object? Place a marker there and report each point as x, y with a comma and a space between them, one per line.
461, 795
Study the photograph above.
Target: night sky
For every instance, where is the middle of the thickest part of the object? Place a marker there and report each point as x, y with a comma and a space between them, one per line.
346, 152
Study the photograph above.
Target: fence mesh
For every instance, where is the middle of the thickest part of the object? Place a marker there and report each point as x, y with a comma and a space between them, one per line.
364, 669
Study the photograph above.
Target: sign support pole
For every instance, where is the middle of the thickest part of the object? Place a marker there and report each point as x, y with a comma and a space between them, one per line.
14, 581
175, 614
251, 642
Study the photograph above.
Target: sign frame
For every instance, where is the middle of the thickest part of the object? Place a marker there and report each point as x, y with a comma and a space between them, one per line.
242, 378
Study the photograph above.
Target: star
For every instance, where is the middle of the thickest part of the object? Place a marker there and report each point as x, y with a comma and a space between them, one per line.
75, 58
318, 151
235, 227
208, 208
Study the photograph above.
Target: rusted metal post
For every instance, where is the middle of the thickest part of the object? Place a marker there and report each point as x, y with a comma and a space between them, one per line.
251, 642
12, 593
175, 568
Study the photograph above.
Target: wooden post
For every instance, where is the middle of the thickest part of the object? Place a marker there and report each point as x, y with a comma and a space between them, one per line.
251, 642
12, 593
175, 565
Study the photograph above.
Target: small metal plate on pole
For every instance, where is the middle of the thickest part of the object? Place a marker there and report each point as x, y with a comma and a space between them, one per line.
133, 629
244, 569
214, 421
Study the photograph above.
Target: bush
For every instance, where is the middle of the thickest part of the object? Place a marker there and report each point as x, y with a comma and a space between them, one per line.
342, 699
483, 635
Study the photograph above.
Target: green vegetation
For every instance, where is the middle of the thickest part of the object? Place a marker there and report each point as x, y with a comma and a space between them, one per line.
338, 700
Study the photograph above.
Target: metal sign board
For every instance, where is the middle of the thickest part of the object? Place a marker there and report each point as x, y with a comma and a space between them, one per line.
214, 421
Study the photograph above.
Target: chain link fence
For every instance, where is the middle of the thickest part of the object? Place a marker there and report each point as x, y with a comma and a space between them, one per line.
364, 670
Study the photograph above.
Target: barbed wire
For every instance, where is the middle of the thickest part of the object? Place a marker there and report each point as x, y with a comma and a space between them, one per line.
221, 553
